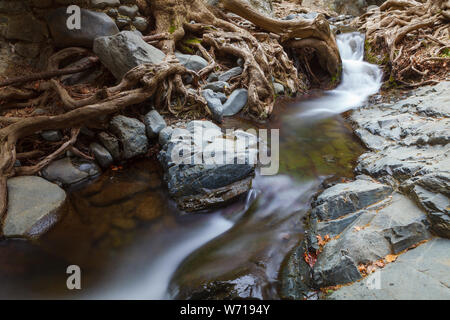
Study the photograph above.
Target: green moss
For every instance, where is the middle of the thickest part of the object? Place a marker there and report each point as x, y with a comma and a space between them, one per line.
445, 53
193, 41
172, 29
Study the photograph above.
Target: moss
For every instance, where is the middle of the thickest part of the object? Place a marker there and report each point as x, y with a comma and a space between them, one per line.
172, 29
445, 53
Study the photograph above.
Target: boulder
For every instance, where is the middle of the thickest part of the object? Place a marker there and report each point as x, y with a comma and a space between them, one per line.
154, 123
34, 206
70, 171
101, 154
131, 134
124, 51
93, 25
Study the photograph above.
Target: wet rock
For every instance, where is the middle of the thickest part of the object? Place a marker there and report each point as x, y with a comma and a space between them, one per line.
140, 23
27, 28
191, 62
131, 134
345, 198
227, 75
51, 135
34, 206
196, 173
70, 171
217, 86
426, 265
236, 102
111, 143
154, 123
124, 51
214, 104
103, 157
102, 4
95, 24
129, 11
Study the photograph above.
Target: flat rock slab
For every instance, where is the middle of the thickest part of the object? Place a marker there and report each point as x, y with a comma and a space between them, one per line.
421, 273
34, 206
93, 25
70, 171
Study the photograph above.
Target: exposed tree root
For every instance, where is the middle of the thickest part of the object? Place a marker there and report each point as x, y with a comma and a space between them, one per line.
414, 36
179, 24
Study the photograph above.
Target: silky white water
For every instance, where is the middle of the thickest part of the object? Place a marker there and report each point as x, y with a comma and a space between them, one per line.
360, 80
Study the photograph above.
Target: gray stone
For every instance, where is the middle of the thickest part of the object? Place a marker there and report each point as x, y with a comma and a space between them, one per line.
51, 135
103, 157
34, 206
124, 51
140, 23
70, 171
278, 88
88, 76
131, 134
94, 25
217, 86
236, 102
27, 28
112, 13
307, 16
129, 11
165, 135
123, 22
419, 274
111, 143
191, 62
213, 77
234, 72
102, 4
154, 123
214, 104
345, 198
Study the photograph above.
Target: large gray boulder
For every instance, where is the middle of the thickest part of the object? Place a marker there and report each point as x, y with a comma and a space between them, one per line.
122, 52
34, 206
197, 172
131, 134
93, 25
421, 273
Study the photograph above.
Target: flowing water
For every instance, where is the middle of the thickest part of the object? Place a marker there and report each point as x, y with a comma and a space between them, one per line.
132, 243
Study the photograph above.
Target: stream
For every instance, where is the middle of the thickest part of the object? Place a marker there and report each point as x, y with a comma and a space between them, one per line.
131, 242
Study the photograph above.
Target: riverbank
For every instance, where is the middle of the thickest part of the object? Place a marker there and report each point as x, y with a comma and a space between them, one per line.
387, 231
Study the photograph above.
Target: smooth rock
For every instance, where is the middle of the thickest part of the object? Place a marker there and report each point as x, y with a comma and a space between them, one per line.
140, 23
34, 206
51, 135
94, 25
111, 143
217, 86
101, 154
70, 171
214, 104
191, 62
131, 134
278, 88
102, 4
129, 11
154, 123
124, 51
236, 102
227, 75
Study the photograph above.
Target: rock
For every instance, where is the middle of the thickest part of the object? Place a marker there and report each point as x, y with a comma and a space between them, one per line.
94, 25
375, 234
278, 88
308, 16
140, 23
214, 104
426, 265
111, 143
51, 135
165, 135
191, 62
154, 123
124, 51
199, 177
131, 134
236, 102
217, 86
28, 50
88, 76
70, 171
353, 7
213, 77
34, 206
345, 198
129, 11
102, 4
123, 22
27, 28
103, 157
230, 74
112, 13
